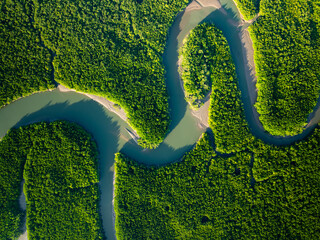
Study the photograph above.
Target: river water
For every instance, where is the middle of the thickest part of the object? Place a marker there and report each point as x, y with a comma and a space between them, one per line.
109, 131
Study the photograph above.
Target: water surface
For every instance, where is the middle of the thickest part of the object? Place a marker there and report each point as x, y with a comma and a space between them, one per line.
109, 131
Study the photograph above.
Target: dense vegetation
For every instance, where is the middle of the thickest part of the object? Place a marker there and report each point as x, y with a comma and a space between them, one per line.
259, 191
248, 8
12, 159
206, 56
61, 175
206, 196
198, 55
24, 63
109, 48
287, 56
288, 187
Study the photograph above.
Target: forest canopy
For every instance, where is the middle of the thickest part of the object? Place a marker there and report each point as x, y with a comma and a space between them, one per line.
59, 164
207, 66
287, 57
248, 8
25, 64
256, 191
109, 48
265, 192
230, 186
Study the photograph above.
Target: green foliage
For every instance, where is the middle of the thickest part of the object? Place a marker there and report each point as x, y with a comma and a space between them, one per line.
248, 8
198, 54
24, 62
288, 188
13, 150
70, 213
212, 197
11, 221
59, 164
114, 49
170, 202
265, 192
286, 44
280, 161
226, 114
207, 61
109, 48
71, 159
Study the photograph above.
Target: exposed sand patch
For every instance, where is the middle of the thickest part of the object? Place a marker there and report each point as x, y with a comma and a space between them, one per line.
108, 105
103, 101
248, 59
250, 72
198, 4
202, 114
209, 3
24, 236
111, 106
23, 206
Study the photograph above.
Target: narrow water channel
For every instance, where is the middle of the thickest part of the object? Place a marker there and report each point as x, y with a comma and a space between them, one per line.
109, 130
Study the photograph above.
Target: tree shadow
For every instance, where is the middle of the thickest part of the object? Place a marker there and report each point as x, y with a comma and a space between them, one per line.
247, 82
231, 9
183, 23
177, 103
91, 116
106, 132
162, 155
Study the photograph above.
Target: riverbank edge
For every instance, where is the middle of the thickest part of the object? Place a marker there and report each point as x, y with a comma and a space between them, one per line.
109, 105
202, 113
90, 94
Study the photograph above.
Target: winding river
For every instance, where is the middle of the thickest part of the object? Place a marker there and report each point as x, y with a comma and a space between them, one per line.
109, 130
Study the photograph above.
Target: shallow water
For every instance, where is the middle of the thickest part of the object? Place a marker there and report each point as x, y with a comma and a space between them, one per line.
109, 131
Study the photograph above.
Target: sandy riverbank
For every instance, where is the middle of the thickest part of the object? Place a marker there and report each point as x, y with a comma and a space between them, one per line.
202, 114
23, 206
107, 104
103, 101
248, 59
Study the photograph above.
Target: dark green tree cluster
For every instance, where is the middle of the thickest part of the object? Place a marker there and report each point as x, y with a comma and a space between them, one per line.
248, 8
12, 158
207, 61
197, 55
287, 57
114, 49
186, 200
60, 167
109, 48
206, 196
288, 187
226, 113
70, 213
24, 62
260, 192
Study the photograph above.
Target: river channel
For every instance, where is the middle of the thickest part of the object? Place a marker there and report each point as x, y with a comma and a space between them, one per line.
110, 131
